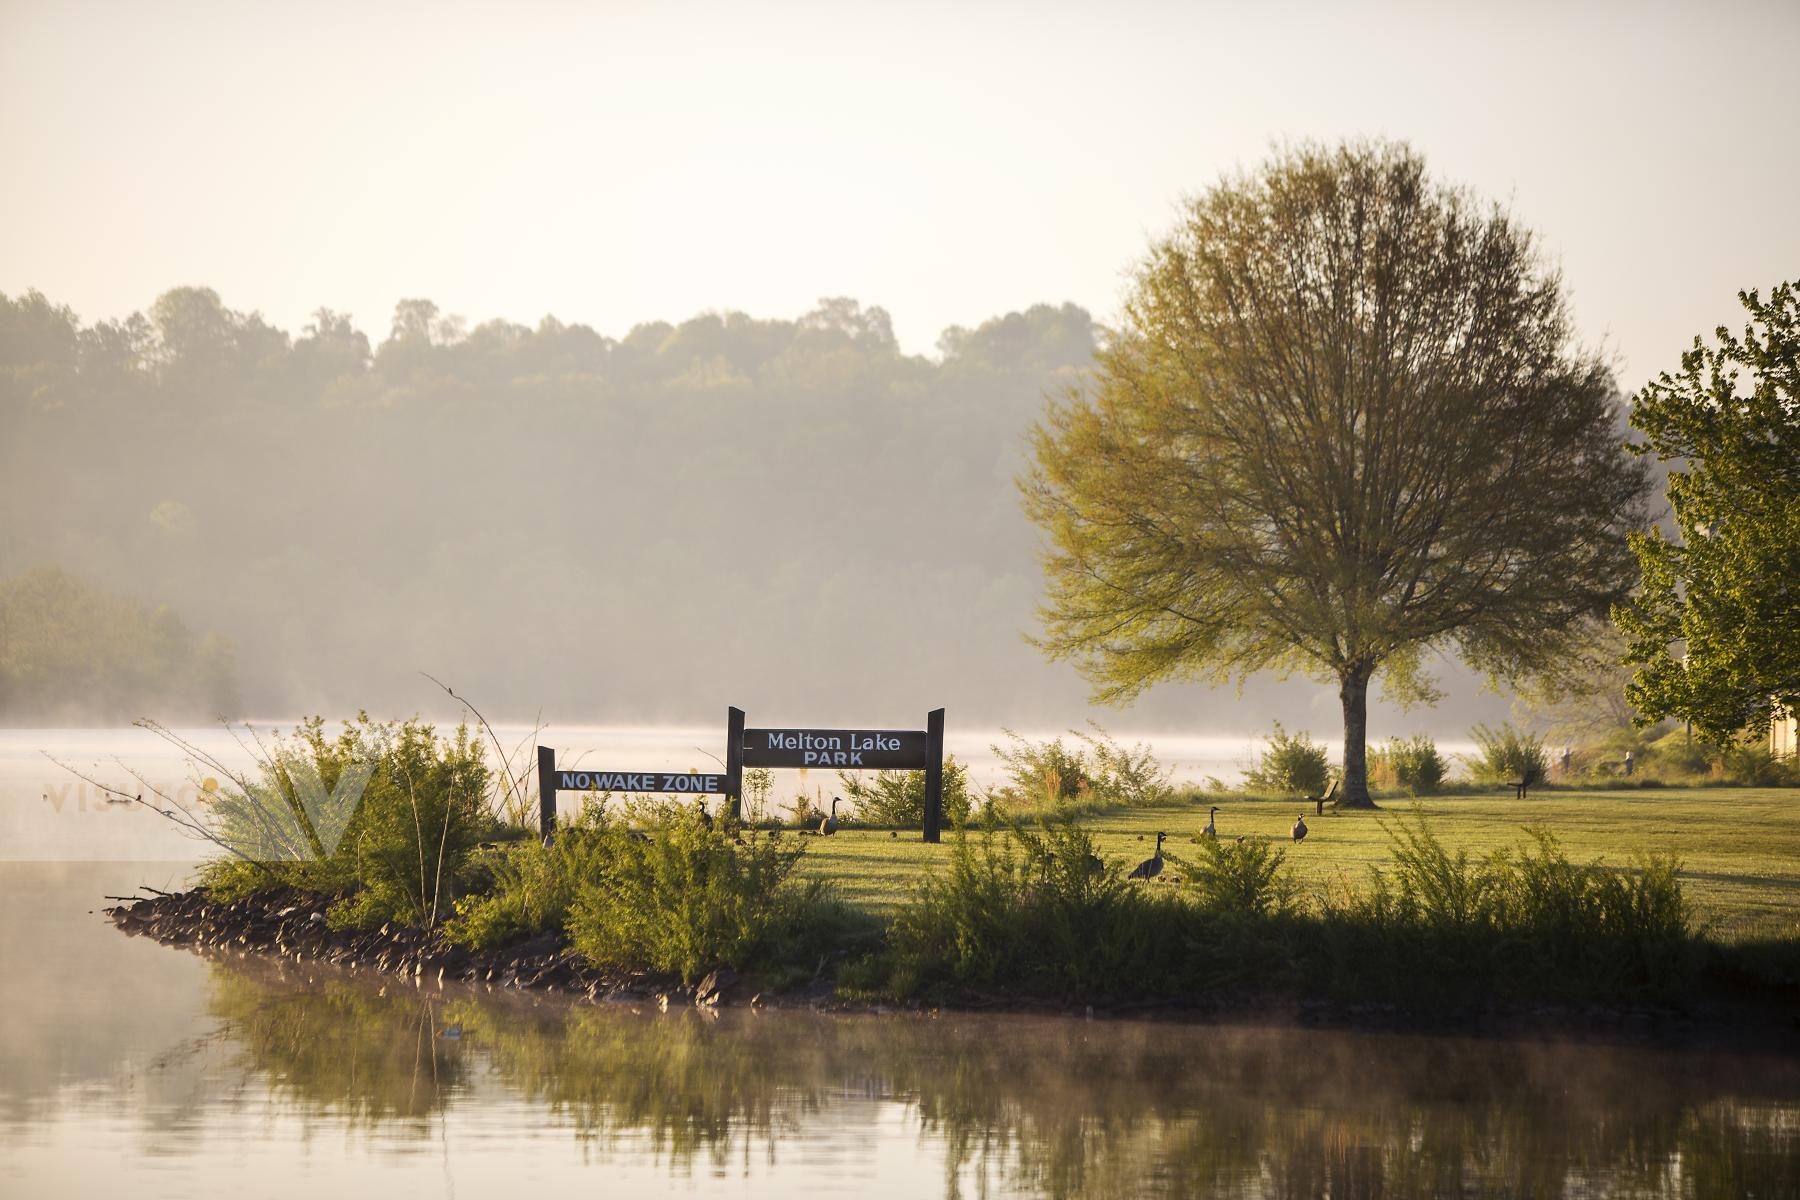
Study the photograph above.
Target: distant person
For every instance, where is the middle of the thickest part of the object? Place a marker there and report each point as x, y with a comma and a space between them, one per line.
1568, 756
1628, 762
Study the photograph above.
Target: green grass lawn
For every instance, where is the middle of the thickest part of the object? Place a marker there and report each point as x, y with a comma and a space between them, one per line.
1739, 847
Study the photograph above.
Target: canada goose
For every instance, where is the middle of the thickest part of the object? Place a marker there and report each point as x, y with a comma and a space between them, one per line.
829, 825
893, 833
1151, 867
1300, 828
1211, 830
1095, 865
705, 817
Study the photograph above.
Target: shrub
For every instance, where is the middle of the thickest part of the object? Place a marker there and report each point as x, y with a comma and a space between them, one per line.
898, 797
1755, 765
1507, 754
682, 898
384, 815
1526, 923
1411, 763
529, 887
1242, 879
1051, 776
423, 814
1042, 774
1293, 765
1130, 778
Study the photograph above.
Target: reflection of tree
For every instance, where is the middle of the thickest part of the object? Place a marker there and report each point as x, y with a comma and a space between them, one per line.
1055, 1106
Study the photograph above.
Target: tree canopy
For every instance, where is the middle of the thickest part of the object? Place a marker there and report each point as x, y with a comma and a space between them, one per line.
1715, 631
1345, 427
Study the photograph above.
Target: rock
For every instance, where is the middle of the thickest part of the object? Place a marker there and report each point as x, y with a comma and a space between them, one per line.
712, 990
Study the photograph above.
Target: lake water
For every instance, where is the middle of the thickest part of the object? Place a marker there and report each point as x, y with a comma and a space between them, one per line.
130, 1069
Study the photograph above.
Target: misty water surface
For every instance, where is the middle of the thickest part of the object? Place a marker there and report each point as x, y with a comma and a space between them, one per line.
129, 1068
49, 814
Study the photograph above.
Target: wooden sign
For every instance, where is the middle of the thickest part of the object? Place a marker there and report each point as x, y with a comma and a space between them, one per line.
844, 749
847, 749
642, 781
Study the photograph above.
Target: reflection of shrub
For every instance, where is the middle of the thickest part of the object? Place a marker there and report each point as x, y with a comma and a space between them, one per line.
898, 797
1411, 763
1507, 754
679, 897
1293, 765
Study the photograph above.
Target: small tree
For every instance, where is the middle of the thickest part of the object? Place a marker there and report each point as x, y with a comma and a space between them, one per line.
1715, 633
1344, 427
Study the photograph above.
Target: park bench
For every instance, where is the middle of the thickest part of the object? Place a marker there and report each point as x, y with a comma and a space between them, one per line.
1322, 801
1522, 785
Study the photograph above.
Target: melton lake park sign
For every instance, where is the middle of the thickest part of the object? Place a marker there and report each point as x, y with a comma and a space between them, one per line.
801, 748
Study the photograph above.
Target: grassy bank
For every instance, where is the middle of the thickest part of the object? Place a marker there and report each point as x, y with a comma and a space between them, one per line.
1739, 848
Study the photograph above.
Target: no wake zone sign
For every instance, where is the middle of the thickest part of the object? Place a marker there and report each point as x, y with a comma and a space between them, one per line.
641, 781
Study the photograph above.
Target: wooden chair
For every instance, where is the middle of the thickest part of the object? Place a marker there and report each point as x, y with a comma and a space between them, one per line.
1322, 801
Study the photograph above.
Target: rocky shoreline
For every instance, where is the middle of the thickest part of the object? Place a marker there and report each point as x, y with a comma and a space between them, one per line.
289, 924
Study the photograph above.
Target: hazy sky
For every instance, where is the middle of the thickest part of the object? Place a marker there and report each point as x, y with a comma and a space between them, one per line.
614, 163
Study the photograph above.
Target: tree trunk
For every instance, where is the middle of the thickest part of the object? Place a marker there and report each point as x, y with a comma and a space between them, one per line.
1353, 690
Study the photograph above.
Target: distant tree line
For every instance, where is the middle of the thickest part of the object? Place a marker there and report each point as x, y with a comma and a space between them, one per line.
643, 525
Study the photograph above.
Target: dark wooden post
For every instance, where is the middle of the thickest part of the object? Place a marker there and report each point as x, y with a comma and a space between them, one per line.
546, 793
934, 773
734, 763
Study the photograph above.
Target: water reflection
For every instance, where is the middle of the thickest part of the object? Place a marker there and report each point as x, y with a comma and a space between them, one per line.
1044, 1106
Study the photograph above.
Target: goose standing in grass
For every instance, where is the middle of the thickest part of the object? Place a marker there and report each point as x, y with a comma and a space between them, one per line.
1211, 830
829, 825
705, 817
1300, 829
1151, 867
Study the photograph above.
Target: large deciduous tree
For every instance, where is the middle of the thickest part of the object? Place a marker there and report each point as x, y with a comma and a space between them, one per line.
1715, 632
1345, 426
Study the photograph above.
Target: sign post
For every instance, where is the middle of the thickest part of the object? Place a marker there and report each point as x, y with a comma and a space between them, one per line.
734, 763
546, 793
934, 774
